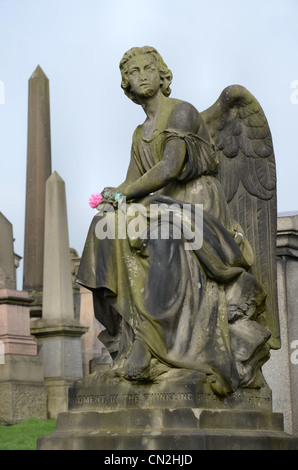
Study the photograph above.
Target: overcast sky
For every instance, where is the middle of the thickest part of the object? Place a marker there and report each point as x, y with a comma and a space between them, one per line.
208, 45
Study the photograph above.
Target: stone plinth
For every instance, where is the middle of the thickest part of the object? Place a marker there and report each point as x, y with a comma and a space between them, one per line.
22, 389
60, 351
15, 323
172, 415
179, 430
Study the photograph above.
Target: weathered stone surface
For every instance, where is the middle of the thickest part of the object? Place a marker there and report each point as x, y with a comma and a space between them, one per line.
7, 267
169, 393
15, 323
58, 333
22, 400
170, 429
38, 171
283, 363
57, 395
60, 348
208, 305
173, 415
22, 389
57, 281
170, 440
95, 354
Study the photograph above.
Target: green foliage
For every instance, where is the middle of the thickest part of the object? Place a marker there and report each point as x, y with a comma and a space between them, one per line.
23, 436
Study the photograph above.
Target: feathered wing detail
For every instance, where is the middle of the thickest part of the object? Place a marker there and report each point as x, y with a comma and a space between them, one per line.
240, 131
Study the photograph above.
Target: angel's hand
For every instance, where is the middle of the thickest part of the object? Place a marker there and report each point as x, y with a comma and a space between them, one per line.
110, 197
108, 192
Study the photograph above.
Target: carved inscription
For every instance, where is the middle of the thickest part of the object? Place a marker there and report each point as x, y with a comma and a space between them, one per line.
159, 398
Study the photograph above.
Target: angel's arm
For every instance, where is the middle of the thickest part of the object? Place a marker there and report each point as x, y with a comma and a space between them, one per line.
184, 119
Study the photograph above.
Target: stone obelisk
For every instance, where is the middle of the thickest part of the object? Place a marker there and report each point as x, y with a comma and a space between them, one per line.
58, 333
57, 281
38, 171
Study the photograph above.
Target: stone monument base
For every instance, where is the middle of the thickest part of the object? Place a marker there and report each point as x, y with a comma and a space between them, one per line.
168, 429
174, 414
60, 350
57, 394
22, 391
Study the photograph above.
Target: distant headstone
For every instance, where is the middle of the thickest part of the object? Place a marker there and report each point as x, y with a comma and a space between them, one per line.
7, 268
22, 389
38, 171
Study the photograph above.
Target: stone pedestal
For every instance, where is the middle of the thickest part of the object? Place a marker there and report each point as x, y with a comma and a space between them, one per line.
172, 415
60, 351
22, 389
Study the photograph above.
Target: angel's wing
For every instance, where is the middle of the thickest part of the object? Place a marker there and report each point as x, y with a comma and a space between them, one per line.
240, 131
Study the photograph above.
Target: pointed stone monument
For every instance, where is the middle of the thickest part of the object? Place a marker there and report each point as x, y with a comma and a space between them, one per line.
58, 332
22, 390
38, 171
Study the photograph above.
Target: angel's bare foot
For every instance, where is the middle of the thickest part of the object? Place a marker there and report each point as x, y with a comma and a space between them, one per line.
137, 362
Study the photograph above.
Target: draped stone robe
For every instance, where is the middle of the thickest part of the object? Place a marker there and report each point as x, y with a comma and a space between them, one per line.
195, 309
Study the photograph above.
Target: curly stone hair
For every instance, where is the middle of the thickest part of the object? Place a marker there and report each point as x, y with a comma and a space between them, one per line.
164, 72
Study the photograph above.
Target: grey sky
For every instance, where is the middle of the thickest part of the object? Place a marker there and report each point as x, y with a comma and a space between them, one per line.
79, 43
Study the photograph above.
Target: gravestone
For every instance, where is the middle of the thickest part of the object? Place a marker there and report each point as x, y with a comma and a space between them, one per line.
7, 267
22, 390
58, 333
38, 171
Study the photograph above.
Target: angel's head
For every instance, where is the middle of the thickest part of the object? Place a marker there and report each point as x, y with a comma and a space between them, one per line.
164, 72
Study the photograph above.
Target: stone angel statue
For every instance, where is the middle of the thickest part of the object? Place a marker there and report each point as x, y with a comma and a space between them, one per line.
169, 306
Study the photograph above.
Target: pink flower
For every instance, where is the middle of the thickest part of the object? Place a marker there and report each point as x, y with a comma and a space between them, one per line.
94, 200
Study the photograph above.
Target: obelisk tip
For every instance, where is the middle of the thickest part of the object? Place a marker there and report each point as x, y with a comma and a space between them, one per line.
38, 73
55, 177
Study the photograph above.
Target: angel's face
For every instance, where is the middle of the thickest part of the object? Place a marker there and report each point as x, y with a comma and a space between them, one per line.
143, 75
